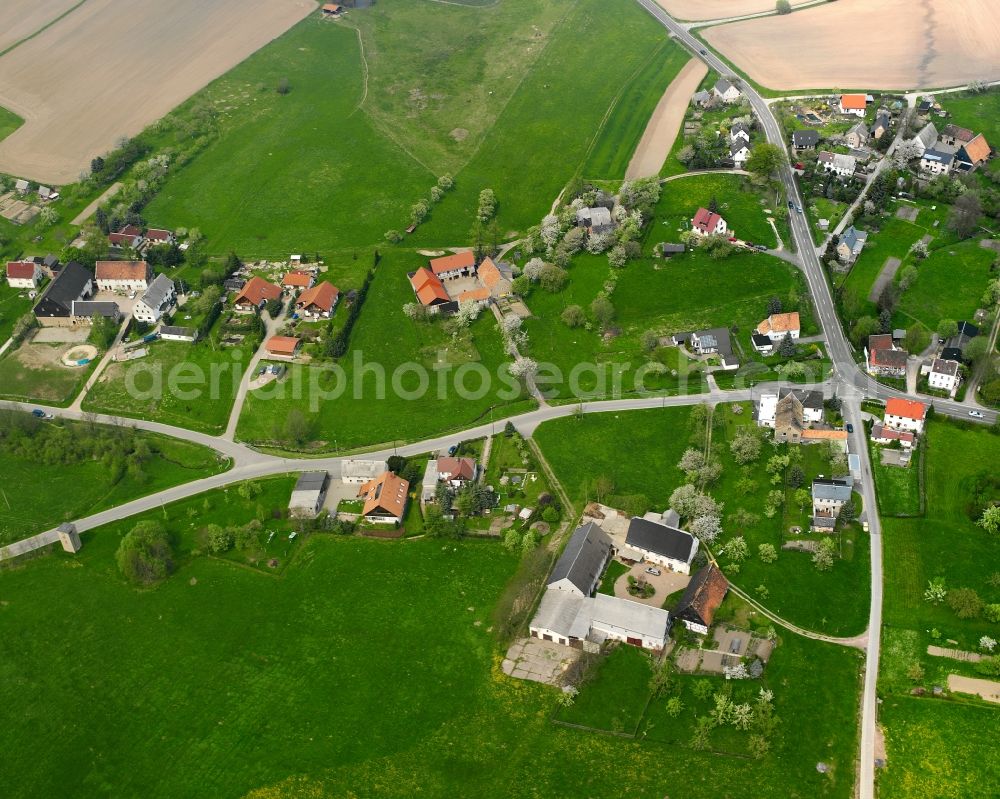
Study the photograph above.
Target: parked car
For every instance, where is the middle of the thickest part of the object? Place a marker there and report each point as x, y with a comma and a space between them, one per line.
452, 449
38, 413
850, 427
976, 414
791, 205
654, 571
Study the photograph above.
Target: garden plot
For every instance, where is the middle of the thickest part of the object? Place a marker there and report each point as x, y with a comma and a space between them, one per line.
82, 66
906, 45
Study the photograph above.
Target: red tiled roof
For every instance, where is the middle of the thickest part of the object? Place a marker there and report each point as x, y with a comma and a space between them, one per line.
158, 234
458, 468
322, 295
705, 220
779, 323
282, 345
825, 435
428, 287
857, 102
907, 409
978, 150
387, 492
122, 270
488, 273
704, 594
256, 291
881, 432
449, 263
21, 270
297, 279
474, 295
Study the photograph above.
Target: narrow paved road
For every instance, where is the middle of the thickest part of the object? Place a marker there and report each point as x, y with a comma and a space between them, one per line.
271, 326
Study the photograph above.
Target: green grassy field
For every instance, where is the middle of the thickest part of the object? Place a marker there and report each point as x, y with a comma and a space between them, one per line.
364, 663
385, 338
662, 296
938, 750
541, 139
12, 307
613, 149
740, 205
792, 579
9, 122
614, 699
46, 495
143, 388
310, 155
945, 542
978, 112
937, 295
898, 489
34, 372
637, 450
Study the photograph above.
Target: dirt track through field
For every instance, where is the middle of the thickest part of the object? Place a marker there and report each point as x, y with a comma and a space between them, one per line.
112, 67
985, 689
693, 11
906, 44
663, 127
21, 18
884, 278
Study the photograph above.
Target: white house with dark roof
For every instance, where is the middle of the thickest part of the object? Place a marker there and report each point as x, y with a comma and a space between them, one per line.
857, 136
726, 91
662, 544
837, 163
926, 138
739, 131
804, 140
936, 162
943, 375
739, 152
308, 495
829, 495
155, 301
582, 562
852, 242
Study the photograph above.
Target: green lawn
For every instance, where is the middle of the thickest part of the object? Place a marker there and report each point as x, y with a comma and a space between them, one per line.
385, 339
945, 542
898, 489
637, 450
978, 112
613, 699
38, 496
34, 372
792, 580
365, 663
614, 147
9, 122
738, 203
12, 307
187, 385
309, 155
950, 285
663, 296
939, 750
893, 240
542, 137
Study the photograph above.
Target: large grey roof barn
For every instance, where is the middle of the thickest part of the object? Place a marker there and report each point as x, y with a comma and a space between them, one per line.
579, 568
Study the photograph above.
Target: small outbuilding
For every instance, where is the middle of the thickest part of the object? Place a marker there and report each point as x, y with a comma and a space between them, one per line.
308, 495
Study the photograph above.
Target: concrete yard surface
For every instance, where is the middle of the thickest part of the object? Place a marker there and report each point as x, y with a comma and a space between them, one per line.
539, 661
984, 689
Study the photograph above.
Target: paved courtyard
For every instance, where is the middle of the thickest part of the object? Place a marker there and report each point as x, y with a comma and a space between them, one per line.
538, 660
664, 585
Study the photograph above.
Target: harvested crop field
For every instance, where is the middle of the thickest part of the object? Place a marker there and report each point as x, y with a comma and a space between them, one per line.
100, 73
716, 9
662, 128
21, 18
907, 45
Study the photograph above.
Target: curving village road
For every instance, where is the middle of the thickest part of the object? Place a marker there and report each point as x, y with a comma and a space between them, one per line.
850, 383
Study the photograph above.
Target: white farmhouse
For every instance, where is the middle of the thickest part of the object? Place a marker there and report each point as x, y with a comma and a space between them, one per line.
942, 375
123, 276
661, 544
155, 301
904, 414
23, 274
582, 562
725, 91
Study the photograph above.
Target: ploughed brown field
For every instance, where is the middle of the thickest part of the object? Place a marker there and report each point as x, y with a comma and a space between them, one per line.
21, 18
112, 67
868, 44
696, 10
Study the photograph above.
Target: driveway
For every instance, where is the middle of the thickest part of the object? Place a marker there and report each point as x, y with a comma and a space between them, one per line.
664, 584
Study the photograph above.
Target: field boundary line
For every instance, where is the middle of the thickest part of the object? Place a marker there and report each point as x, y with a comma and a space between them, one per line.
517, 87
364, 65
42, 29
660, 46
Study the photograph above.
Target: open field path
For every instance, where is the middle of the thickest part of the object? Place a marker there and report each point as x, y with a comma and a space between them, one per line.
77, 403
771, 13
665, 123
88, 212
271, 327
